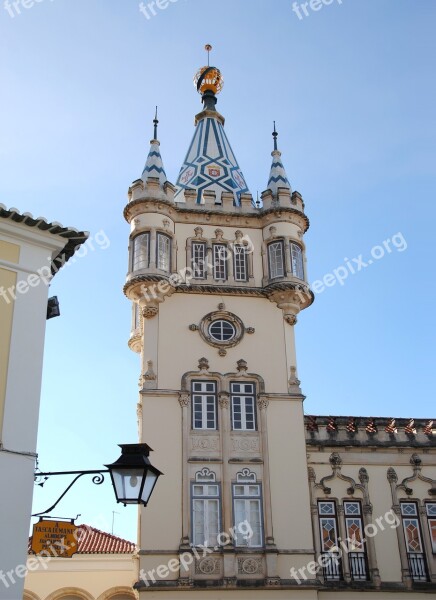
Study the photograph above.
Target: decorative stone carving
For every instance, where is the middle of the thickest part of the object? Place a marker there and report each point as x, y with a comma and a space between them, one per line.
194, 327
208, 566
205, 444
222, 352
293, 379
198, 232
149, 377
249, 566
150, 311
272, 231
263, 403
184, 399
219, 233
290, 319
250, 330
245, 444
221, 306
166, 223
242, 365
224, 400
203, 364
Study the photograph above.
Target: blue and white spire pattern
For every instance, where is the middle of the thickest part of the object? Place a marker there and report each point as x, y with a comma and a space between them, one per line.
154, 165
277, 177
210, 163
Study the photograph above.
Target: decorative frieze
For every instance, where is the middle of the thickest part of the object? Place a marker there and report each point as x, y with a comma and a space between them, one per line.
205, 443
208, 566
250, 566
245, 444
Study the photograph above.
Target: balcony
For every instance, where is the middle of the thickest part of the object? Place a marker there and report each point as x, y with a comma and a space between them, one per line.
332, 566
358, 566
417, 566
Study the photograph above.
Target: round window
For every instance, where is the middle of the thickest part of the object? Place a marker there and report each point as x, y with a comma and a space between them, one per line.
222, 331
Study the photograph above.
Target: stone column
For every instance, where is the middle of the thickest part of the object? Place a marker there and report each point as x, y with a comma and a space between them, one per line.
271, 556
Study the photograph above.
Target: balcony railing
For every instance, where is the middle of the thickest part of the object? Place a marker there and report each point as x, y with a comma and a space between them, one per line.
418, 566
358, 566
332, 567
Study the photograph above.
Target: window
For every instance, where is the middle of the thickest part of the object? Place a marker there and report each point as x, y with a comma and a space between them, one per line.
243, 401
329, 541
222, 330
413, 539
247, 507
205, 510
297, 261
240, 263
355, 541
141, 252
163, 253
136, 316
198, 260
431, 519
275, 259
204, 405
220, 261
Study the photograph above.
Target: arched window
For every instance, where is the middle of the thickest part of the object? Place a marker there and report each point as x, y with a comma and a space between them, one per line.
297, 261
163, 253
276, 259
141, 252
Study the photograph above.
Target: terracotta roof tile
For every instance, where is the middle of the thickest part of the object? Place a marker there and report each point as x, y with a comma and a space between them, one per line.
94, 541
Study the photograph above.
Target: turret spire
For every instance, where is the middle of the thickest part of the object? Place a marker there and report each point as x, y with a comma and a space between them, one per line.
154, 165
277, 178
210, 165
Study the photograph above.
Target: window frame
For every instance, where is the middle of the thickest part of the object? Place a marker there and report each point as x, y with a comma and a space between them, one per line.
299, 263
224, 262
238, 251
246, 499
134, 264
206, 499
159, 235
204, 405
431, 523
195, 272
281, 244
338, 573
243, 396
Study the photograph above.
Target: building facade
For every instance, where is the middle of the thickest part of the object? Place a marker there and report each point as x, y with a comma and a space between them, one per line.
31, 252
104, 568
257, 500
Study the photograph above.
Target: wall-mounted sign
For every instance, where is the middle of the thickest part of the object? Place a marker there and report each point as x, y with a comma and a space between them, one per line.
57, 539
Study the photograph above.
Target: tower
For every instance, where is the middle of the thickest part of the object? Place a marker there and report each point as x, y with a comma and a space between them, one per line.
216, 281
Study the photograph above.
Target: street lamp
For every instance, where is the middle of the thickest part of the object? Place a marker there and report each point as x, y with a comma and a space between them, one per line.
133, 476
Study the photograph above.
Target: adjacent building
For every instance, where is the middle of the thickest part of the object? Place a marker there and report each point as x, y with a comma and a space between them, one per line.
32, 250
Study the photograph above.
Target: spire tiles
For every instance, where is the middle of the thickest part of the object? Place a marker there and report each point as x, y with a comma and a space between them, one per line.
210, 165
154, 165
277, 178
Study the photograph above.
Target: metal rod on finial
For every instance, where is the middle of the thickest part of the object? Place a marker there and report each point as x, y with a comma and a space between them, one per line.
155, 121
208, 48
275, 134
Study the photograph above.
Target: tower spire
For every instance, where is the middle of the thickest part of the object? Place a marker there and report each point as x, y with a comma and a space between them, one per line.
154, 164
210, 166
155, 123
277, 177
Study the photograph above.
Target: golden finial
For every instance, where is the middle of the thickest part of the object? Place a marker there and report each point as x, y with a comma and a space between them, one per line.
208, 78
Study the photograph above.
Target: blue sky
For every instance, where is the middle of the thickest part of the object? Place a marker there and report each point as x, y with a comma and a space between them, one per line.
352, 89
